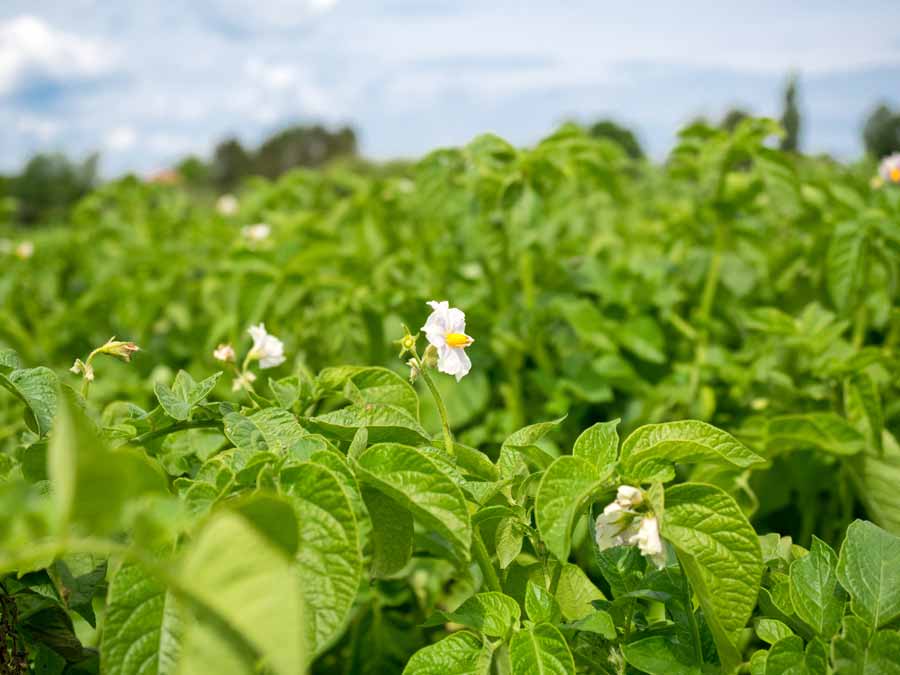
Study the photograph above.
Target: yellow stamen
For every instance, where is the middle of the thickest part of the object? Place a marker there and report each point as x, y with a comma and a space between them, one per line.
895, 175
458, 340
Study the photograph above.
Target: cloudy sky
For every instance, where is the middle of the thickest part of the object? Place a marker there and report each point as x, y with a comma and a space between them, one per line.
147, 81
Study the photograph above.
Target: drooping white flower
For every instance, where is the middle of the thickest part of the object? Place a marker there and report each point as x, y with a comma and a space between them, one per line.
224, 353
267, 349
614, 526
629, 497
445, 328
86, 370
889, 169
25, 250
227, 205
256, 233
243, 381
648, 541
413, 369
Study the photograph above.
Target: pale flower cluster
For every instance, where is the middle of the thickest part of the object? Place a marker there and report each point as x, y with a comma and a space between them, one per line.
256, 233
227, 205
621, 524
889, 169
267, 349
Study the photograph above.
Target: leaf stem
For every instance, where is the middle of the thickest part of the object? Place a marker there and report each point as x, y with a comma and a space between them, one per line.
172, 428
692, 620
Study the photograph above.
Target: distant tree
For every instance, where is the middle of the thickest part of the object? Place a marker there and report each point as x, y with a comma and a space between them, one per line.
306, 146
193, 170
790, 117
881, 133
619, 134
230, 164
732, 118
50, 184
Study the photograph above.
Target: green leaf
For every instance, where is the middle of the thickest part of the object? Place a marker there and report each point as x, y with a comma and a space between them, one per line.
244, 590
179, 400
328, 556
787, 657
540, 604
392, 533
856, 652
540, 650
649, 453
656, 656
822, 431
598, 622
508, 540
142, 629
461, 653
720, 553
9, 360
575, 592
91, 483
492, 613
415, 481
510, 462
599, 444
816, 595
385, 423
876, 476
862, 404
375, 385
566, 489
772, 630
38, 389
844, 263
869, 569
272, 429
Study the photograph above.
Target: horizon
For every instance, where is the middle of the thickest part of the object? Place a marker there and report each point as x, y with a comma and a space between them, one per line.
146, 85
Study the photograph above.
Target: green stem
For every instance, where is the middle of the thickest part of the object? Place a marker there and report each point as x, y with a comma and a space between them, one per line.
692, 620
479, 552
707, 298
172, 428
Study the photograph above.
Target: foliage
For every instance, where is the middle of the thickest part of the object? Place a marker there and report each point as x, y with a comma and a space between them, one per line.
720, 333
881, 133
790, 118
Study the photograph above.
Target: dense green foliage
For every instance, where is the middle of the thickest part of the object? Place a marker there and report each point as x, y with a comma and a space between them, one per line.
734, 311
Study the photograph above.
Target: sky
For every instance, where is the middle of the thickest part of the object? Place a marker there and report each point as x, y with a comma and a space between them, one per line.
146, 82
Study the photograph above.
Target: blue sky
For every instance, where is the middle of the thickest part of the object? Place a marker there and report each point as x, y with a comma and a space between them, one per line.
148, 81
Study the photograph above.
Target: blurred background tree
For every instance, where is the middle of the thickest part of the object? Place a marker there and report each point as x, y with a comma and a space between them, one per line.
790, 118
622, 135
881, 133
47, 186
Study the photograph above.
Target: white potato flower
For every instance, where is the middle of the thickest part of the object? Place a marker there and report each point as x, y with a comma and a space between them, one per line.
614, 527
889, 169
224, 353
446, 331
256, 233
227, 205
25, 250
628, 497
267, 349
648, 541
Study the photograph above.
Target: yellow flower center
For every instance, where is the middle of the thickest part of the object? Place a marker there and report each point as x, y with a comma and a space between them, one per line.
458, 340
895, 175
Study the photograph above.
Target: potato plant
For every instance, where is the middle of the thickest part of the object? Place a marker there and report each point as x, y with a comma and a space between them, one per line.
662, 439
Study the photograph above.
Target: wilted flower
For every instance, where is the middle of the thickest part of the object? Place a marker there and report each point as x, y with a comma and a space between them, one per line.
256, 233
24, 250
119, 349
243, 381
227, 205
628, 497
224, 353
267, 349
446, 331
413, 369
648, 541
86, 370
889, 169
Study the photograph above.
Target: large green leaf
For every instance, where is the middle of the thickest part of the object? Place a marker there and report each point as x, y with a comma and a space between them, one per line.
142, 629
179, 400
656, 656
862, 404
373, 385
272, 429
720, 553
328, 556
565, 490
857, 652
540, 650
384, 422
844, 263
869, 569
822, 431
392, 533
462, 653
599, 444
492, 613
876, 476
244, 592
92, 483
38, 389
648, 454
510, 462
416, 482
817, 597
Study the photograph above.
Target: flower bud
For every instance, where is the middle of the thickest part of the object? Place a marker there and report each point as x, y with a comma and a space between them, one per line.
413, 370
84, 369
224, 353
430, 358
119, 349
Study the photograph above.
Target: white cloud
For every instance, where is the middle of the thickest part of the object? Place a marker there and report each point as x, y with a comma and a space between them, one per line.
120, 139
41, 128
29, 47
